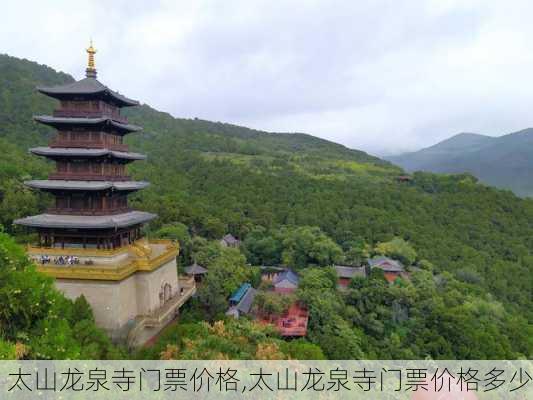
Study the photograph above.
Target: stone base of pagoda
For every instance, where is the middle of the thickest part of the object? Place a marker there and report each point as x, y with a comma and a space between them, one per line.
134, 291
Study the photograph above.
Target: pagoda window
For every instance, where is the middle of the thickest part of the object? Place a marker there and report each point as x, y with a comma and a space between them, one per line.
97, 203
113, 139
62, 166
79, 167
78, 136
63, 135
62, 202
78, 201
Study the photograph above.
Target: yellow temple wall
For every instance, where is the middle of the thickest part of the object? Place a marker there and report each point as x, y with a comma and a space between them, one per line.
151, 284
115, 303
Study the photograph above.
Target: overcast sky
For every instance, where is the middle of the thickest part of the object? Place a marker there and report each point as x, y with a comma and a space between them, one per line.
381, 76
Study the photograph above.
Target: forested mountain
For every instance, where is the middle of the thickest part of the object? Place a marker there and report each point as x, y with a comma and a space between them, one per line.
296, 198
505, 162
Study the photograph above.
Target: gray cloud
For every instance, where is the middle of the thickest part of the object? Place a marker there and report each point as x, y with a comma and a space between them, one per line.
382, 76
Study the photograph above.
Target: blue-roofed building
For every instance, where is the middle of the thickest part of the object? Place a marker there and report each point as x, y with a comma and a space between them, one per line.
237, 296
244, 306
286, 281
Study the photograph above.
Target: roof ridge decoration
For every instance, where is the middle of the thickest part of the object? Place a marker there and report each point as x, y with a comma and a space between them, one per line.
90, 72
88, 86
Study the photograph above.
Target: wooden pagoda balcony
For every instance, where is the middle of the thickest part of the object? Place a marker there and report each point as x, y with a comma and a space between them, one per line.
87, 211
87, 144
86, 176
62, 113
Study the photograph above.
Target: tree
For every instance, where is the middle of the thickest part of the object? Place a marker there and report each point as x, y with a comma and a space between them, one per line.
268, 351
357, 253
301, 349
81, 310
317, 280
230, 339
213, 228
272, 303
7, 351
227, 271
179, 232
305, 246
205, 252
36, 317
397, 248
262, 248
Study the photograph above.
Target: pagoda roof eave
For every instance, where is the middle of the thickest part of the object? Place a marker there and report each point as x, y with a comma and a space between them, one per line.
82, 152
87, 86
58, 121
86, 222
195, 269
57, 184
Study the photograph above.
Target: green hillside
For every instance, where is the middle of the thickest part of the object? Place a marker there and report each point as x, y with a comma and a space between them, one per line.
505, 162
473, 243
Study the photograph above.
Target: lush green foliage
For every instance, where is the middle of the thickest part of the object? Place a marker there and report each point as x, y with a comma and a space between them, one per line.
435, 316
7, 351
297, 247
38, 317
270, 302
231, 339
305, 201
227, 271
398, 249
426, 316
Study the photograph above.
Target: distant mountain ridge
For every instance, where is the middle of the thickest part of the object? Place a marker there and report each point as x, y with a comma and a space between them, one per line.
19, 101
505, 162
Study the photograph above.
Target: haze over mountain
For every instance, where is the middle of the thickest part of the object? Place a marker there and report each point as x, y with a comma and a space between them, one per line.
505, 162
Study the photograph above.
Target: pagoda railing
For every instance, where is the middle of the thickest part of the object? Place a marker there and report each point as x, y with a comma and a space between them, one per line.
83, 176
75, 251
89, 114
96, 272
86, 211
86, 144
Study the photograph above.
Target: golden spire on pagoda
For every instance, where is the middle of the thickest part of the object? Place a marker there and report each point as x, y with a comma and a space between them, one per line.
90, 72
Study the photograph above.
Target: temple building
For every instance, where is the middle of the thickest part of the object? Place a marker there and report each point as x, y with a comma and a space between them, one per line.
90, 241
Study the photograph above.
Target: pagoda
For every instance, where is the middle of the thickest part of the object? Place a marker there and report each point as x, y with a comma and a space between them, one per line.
90, 241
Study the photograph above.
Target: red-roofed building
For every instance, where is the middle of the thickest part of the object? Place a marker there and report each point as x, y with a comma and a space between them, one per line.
293, 322
392, 269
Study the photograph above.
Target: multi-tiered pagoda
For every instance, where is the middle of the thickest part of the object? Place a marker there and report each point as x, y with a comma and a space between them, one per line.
89, 184
90, 240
